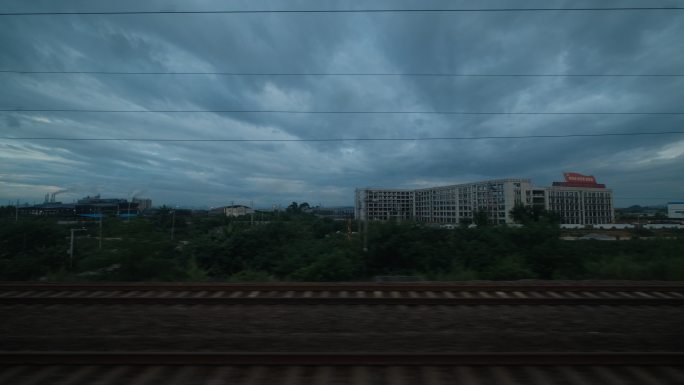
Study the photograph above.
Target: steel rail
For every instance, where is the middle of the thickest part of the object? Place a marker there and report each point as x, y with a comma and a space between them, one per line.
317, 287
410, 301
335, 359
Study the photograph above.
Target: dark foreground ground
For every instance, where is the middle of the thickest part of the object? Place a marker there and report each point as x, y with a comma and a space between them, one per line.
339, 328
339, 375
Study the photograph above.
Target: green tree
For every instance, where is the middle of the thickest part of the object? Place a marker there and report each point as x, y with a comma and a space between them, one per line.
30, 249
527, 214
293, 208
481, 218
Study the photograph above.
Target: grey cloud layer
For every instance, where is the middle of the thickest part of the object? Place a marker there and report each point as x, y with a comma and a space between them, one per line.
216, 173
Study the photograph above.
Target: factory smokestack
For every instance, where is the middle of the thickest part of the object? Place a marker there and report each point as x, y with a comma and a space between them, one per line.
54, 194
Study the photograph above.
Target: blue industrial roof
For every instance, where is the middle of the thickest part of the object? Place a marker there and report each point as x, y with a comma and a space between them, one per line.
96, 215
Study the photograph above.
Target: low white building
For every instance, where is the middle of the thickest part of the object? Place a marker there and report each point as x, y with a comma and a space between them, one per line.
233, 210
659, 226
675, 210
614, 226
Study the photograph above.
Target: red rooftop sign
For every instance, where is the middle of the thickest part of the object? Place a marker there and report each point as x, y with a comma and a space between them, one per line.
573, 179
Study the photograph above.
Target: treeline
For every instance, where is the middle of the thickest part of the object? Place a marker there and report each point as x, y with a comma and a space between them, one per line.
296, 246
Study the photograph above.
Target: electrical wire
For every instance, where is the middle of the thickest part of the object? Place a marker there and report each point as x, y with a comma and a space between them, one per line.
445, 138
378, 74
332, 11
78, 110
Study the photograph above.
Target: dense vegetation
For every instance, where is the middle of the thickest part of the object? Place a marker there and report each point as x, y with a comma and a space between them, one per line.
302, 247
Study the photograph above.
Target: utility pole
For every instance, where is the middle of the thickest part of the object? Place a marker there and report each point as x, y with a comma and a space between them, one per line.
364, 222
173, 223
71, 248
16, 212
365, 235
251, 203
100, 241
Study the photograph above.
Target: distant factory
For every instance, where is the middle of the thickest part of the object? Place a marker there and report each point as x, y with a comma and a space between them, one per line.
88, 207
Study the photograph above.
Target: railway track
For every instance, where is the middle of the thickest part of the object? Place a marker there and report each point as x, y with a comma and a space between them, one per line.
342, 359
25, 368
140, 366
329, 294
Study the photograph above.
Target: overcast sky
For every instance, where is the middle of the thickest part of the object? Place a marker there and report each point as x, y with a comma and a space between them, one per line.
640, 169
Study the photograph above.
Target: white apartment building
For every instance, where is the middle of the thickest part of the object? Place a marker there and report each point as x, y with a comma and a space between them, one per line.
581, 205
458, 203
578, 200
384, 204
446, 204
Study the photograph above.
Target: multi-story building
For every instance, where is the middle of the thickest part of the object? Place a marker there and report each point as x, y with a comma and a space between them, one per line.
446, 204
384, 204
577, 201
459, 203
580, 200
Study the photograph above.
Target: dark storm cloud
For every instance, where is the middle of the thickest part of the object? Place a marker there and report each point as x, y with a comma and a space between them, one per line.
216, 173
12, 121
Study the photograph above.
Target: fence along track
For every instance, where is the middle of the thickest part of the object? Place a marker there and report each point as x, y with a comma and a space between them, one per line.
343, 294
343, 359
315, 286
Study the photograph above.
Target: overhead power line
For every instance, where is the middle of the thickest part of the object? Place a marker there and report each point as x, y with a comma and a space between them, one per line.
388, 74
303, 11
79, 110
406, 139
